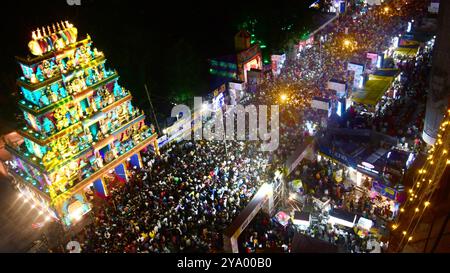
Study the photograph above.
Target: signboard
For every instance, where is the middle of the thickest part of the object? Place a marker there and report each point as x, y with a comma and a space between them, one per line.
357, 68
358, 80
319, 103
340, 107
339, 86
368, 167
236, 92
380, 60
277, 63
373, 58
342, 7
433, 7
384, 190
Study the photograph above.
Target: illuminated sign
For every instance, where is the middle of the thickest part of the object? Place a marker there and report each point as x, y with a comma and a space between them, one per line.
384, 190
277, 63
379, 61
318, 103
410, 160
395, 41
339, 109
358, 80
373, 58
368, 167
340, 87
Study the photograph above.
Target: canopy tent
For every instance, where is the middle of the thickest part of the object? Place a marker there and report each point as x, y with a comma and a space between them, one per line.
373, 90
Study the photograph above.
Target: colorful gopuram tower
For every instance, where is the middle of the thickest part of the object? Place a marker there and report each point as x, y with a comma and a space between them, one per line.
81, 132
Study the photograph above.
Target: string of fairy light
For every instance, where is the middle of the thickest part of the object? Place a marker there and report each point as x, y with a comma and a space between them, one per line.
425, 184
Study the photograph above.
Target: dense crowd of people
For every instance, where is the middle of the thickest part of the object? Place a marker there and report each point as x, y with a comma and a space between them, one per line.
181, 201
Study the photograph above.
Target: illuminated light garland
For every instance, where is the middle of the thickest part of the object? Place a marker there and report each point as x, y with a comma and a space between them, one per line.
426, 193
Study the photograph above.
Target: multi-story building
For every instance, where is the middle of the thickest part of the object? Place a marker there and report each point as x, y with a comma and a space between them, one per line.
439, 95
81, 131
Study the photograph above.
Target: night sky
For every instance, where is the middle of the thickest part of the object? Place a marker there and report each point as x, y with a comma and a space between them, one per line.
165, 45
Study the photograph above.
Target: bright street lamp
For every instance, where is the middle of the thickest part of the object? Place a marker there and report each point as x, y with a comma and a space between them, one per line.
347, 43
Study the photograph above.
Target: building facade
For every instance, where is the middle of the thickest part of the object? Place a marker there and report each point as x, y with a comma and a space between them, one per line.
438, 96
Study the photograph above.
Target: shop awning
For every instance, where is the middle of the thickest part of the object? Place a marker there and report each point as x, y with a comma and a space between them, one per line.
373, 90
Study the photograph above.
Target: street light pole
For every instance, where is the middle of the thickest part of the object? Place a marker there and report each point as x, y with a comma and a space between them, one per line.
153, 110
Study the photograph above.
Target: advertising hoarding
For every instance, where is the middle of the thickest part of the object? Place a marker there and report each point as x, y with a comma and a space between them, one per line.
236, 92
339, 86
277, 63
384, 190
358, 80
320, 103
373, 58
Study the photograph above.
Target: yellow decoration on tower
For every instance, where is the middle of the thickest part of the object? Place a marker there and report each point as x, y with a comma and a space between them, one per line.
35, 48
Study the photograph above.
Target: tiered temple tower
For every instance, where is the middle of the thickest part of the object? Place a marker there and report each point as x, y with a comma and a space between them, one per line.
81, 132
